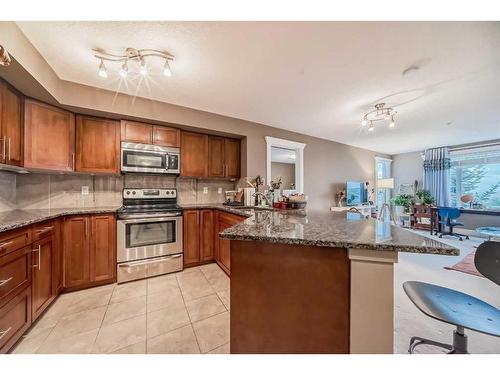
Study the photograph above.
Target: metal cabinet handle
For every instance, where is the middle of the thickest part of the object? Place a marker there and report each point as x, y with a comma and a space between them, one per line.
8, 154
3, 282
3, 333
86, 227
39, 265
5, 244
44, 230
73, 160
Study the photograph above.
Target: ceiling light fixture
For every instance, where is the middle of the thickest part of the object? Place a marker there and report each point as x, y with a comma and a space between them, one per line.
167, 72
380, 113
102, 70
124, 70
143, 69
136, 55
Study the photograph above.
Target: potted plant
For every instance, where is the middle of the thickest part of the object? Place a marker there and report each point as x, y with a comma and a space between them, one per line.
401, 203
425, 197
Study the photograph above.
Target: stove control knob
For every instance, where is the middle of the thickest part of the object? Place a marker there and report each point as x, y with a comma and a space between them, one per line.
128, 192
133, 193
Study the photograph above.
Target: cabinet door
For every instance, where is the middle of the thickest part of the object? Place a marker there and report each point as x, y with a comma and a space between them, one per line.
103, 248
164, 136
216, 160
15, 319
137, 132
11, 126
232, 157
49, 137
97, 145
194, 154
224, 255
42, 290
191, 234
206, 235
76, 251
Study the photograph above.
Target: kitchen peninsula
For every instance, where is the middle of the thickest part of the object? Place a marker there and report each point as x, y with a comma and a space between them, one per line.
316, 282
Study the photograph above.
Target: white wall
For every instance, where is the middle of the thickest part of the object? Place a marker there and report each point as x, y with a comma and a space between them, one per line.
406, 168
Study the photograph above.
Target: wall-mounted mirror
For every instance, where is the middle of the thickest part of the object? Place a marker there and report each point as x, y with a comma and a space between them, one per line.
285, 160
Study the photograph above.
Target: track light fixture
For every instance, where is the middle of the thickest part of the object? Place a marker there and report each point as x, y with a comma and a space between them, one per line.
380, 113
133, 55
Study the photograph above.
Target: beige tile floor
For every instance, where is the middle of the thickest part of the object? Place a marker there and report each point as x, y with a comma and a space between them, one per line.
186, 312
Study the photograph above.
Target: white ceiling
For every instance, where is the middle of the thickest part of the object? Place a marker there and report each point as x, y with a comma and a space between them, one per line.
315, 78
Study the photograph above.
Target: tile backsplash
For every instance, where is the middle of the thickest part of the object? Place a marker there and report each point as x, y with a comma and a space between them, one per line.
42, 191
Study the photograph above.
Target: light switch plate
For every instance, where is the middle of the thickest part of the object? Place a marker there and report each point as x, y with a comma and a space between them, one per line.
205, 190
85, 190
219, 190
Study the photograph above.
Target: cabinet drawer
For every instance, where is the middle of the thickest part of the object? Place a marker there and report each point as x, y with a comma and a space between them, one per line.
15, 319
43, 230
15, 273
13, 240
164, 265
230, 218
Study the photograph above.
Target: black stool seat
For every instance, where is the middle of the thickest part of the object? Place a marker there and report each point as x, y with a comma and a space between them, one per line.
453, 307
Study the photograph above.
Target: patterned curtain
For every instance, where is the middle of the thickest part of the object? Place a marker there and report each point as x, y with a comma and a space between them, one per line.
437, 174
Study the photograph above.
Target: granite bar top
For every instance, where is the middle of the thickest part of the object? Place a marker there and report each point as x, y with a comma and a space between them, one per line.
333, 229
21, 218
246, 212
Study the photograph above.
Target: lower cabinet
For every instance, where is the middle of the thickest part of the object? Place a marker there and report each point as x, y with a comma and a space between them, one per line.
43, 291
89, 250
198, 232
223, 221
15, 319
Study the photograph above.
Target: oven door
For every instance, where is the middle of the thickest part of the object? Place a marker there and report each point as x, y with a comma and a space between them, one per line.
148, 237
143, 161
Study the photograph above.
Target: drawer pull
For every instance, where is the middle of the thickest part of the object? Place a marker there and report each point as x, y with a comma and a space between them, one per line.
3, 333
3, 282
39, 257
5, 244
141, 262
44, 230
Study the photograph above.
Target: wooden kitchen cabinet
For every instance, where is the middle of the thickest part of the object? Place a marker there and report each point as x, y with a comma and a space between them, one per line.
89, 250
76, 251
194, 154
191, 237
103, 248
49, 137
15, 273
97, 145
15, 319
206, 235
224, 159
216, 159
223, 221
42, 288
11, 125
232, 158
137, 132
165, 136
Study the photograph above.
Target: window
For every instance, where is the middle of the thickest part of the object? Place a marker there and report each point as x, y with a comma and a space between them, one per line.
476, 171
383, 171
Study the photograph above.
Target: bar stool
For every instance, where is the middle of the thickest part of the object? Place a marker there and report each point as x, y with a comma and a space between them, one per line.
457, 308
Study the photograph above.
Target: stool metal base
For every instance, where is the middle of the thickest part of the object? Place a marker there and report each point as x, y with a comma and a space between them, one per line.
459, 343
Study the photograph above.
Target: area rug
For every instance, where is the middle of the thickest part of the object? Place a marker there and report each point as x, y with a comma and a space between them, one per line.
466, 265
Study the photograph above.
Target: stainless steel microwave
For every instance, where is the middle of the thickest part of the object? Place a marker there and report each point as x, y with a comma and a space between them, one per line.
143, 158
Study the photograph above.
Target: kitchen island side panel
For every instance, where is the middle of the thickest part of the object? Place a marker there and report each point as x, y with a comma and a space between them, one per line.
289, 298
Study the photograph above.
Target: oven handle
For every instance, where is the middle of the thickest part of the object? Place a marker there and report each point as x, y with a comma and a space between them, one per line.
132, 264
150, 219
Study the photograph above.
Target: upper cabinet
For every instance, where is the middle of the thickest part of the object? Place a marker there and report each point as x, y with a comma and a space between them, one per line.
97, 145
49, 137
138, 132
224, 157
11, 126
194, 154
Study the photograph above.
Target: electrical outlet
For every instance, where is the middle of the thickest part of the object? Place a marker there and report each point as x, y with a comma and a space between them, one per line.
219, 190
205, 190
85, 190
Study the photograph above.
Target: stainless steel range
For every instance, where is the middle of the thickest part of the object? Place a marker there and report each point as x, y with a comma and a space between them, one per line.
149, 234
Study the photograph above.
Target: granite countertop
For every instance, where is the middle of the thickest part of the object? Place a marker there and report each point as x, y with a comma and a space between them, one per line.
246, 212
333, 229
21, 218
